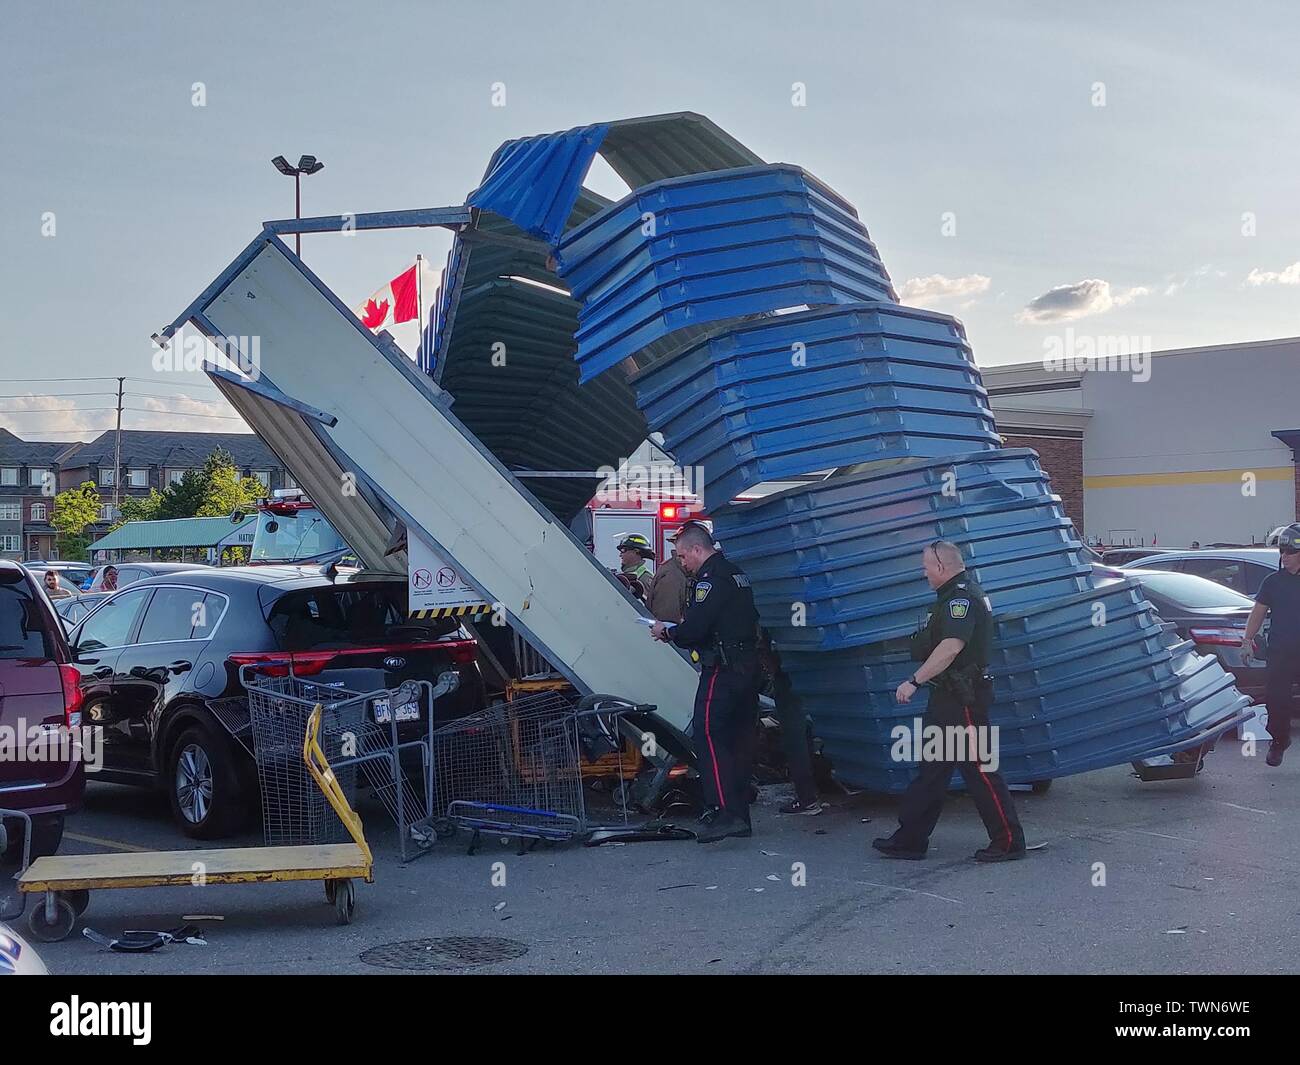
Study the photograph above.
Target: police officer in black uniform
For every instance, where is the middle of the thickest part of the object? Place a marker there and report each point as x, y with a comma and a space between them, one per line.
953, 649
1279, 597
720, 624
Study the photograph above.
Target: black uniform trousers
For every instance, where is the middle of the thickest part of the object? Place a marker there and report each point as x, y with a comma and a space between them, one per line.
923, 801
722, 732
1282, 675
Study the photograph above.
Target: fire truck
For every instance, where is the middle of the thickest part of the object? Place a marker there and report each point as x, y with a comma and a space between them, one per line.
290, 529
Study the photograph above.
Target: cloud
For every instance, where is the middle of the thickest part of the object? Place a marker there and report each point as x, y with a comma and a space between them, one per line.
36, 416
1177, 284
927, 291
1289, 276
1079, 300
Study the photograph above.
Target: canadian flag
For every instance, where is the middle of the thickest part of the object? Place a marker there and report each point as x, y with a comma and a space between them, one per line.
397, 302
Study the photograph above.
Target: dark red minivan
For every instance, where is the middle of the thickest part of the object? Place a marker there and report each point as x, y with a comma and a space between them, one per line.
42, 772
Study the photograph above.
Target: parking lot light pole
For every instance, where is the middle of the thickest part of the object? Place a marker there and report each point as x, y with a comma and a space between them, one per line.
307, 164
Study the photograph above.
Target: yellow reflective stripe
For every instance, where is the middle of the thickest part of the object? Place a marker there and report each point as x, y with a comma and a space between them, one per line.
1147, 480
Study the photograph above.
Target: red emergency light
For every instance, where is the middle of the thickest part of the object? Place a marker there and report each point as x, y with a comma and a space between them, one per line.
671, 511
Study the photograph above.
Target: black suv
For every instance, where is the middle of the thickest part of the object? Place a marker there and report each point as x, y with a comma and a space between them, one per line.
154, 658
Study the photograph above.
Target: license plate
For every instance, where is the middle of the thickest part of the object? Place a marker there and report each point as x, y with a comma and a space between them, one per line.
405, 711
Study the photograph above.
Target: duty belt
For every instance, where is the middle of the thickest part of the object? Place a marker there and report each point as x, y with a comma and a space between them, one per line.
729, 654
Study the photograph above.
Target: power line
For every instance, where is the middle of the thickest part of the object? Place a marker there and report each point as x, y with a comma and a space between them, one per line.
179, 414
168, 384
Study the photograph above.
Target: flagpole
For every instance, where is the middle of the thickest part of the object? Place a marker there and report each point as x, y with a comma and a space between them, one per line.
419, 311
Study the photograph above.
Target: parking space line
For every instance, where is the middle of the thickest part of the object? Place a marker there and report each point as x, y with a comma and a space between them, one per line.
112, 844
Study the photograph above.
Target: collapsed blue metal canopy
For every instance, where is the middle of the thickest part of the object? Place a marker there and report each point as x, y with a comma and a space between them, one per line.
749, 308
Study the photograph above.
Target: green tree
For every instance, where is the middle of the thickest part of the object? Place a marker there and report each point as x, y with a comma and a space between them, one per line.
214, 490
74, 510
183, 498
138, 508
224, 491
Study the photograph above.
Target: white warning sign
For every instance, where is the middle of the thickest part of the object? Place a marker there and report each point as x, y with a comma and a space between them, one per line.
434, 583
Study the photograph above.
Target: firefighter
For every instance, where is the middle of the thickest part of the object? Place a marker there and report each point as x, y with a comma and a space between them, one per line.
634, 556
953, 649
1279, 598
721, 624
666, 596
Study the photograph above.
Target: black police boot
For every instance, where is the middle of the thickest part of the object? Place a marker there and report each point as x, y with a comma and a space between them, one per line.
890, 848
993, 853
1275, 752
721, 826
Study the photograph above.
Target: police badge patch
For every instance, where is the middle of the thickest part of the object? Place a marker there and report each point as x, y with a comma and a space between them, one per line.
958, 608
702, 591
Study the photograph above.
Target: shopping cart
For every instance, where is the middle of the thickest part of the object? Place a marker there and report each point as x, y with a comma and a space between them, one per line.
515, 769
359, 734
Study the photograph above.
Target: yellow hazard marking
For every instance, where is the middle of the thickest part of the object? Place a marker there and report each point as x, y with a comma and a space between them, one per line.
449, 611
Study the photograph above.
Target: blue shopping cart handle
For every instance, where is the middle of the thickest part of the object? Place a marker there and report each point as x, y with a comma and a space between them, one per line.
513, 810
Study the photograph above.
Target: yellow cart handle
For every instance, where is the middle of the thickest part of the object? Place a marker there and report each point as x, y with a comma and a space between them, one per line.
318, 766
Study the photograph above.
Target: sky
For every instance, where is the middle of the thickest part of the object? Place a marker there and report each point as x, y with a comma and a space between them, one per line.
1108, 169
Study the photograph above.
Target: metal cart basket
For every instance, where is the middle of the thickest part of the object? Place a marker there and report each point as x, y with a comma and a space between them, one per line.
515, 769
359, 732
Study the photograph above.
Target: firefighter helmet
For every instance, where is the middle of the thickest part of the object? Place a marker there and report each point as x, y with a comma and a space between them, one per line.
638, 543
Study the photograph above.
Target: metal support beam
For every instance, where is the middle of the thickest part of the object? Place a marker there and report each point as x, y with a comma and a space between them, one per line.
451, 217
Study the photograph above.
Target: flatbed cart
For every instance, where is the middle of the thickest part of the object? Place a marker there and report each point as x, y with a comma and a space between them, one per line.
67, 880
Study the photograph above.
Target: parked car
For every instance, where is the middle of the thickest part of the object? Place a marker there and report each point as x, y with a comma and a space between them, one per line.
1122, 556
76, 571
39, 691
69, 580
130, 572
1211, 616
154, 657
1242, 569
74, 609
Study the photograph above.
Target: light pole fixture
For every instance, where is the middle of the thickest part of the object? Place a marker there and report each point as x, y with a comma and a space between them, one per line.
307, 164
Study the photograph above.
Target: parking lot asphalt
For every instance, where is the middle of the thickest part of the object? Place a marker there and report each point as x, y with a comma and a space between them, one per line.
1195, 876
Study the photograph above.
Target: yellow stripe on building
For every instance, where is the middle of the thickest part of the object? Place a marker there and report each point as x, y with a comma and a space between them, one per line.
1150, 480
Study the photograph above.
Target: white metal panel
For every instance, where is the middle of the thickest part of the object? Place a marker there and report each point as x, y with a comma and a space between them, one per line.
422, 460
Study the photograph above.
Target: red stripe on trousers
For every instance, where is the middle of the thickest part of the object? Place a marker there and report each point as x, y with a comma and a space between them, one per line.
980, 773
708, 735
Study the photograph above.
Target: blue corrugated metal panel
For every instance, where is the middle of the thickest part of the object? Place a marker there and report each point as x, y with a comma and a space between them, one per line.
848, 548
710, 248
1070, 695
814, 390
535, 181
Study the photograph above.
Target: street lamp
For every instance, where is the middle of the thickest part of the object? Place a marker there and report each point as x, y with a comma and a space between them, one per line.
307, 164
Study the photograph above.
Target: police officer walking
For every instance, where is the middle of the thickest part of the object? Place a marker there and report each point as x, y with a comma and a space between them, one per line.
1279, 598
953, 649
721, 624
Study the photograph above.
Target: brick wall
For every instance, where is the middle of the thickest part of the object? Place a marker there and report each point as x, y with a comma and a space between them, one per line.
1062, 458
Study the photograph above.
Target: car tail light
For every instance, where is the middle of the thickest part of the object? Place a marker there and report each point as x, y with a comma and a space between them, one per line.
72, 697
463, 652
1222, 636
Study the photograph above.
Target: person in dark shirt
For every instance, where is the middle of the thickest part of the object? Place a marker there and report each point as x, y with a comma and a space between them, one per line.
721, 625
953, 648
1279, 599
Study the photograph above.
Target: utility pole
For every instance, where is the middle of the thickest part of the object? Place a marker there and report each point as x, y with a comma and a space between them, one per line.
117, 454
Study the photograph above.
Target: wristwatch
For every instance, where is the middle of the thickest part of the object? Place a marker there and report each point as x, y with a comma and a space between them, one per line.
913, 681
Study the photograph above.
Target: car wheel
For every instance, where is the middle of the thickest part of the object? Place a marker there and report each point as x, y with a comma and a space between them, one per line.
47, 834
1040, 787
203, 784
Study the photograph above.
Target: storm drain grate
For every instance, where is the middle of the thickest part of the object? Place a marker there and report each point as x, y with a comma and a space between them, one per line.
449, 952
